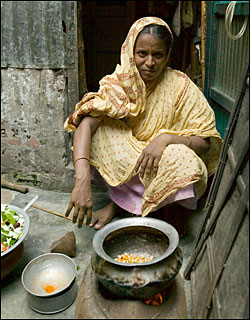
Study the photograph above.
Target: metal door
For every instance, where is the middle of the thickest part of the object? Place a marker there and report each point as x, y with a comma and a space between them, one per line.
225, 58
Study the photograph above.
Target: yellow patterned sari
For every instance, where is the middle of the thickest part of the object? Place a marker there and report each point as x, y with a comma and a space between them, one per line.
133, 114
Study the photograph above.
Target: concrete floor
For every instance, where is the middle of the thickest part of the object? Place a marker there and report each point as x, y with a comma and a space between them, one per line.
46, 228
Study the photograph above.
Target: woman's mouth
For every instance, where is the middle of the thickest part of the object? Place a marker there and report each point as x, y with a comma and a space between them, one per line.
148, 71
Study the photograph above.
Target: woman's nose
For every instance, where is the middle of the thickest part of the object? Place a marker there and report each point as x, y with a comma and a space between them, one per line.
150, 61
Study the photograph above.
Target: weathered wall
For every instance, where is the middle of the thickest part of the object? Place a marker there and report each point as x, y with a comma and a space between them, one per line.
33, 142
39, 71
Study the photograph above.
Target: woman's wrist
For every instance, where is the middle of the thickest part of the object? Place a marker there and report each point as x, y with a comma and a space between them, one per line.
166, 139
82, 177
82, 169
173, 139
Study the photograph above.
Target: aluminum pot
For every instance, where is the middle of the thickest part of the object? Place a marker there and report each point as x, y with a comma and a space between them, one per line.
140, 236
50, 282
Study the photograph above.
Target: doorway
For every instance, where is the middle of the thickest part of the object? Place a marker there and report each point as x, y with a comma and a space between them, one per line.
105, 25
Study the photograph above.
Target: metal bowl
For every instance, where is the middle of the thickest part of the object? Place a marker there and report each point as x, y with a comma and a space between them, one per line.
140, 236
12, 256
50, 282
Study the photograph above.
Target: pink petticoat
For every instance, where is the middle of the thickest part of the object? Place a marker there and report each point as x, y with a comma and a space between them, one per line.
129, 195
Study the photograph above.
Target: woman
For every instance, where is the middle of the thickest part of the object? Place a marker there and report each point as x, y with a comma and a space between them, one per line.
148, 131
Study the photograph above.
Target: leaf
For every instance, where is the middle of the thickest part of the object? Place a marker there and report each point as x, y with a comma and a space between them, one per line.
3, 216
3, 237
5, 232
10, 218
12, 241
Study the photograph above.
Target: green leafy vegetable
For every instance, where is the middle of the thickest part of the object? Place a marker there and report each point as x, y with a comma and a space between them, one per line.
9, 232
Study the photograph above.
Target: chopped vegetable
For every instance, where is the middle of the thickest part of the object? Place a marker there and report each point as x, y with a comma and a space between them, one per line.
3, 247
11, 228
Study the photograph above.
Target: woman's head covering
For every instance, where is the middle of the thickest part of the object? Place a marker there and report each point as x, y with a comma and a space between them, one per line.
127, 50
123, 93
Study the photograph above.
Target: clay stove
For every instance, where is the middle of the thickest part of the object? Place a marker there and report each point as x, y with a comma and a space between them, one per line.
95, 302
113, 290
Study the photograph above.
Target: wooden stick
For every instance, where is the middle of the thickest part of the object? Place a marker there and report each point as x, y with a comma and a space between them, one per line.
51, 211
13, 186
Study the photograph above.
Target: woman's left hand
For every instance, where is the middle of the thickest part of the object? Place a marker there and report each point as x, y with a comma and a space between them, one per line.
151, 155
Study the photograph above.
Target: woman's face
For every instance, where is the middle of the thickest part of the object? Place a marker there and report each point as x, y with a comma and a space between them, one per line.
150, 56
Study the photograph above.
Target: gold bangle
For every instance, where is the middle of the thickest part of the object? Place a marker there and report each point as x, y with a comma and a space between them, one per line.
190, 141
83, 157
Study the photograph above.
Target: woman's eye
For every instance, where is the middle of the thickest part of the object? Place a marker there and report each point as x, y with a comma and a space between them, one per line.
142, 53
159, 55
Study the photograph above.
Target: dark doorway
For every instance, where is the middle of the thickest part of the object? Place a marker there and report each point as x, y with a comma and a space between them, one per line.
105, 26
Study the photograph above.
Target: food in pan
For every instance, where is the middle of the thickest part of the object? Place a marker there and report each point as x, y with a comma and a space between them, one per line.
131, 258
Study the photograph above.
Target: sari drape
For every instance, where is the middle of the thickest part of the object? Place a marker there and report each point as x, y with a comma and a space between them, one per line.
133, 114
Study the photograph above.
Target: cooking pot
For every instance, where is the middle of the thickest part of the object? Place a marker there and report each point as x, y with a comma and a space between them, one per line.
139, 236
50, 282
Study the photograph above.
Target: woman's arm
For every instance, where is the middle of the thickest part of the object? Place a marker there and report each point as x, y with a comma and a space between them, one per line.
151, 155
81, 196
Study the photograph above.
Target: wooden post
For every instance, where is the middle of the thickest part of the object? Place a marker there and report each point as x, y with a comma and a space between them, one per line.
203, 40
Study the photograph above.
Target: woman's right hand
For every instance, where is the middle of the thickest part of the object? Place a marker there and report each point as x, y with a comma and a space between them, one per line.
81, 196
81, 200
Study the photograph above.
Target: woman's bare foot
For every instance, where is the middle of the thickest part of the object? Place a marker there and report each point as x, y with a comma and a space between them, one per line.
101, 217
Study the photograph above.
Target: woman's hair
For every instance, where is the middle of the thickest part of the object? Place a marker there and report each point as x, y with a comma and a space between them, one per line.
159, 31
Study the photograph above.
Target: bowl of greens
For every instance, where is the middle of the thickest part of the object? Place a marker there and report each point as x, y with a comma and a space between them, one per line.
15, 224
